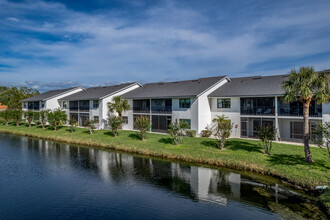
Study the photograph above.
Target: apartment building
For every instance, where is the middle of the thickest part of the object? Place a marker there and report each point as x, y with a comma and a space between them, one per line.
48, 100
92, 103
164, 102
251, 102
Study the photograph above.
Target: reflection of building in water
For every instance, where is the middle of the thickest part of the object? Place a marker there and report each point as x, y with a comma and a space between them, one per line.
113, 166
199, 183
208, 184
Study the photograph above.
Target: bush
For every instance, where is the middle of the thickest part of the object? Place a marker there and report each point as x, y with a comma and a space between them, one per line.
222, 129
267, 135
29, 116
190, 133
115, 123
57, 118
72, 123
177, 129
90, 124
206, 133
142, 123
43, 118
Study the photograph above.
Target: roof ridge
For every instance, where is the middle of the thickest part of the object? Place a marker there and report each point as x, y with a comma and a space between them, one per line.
189, 80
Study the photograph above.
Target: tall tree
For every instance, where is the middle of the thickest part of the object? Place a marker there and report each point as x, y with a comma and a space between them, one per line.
306, 86
118, 105
12, 96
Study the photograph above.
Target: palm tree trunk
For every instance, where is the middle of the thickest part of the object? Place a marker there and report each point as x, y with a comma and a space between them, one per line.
308, 155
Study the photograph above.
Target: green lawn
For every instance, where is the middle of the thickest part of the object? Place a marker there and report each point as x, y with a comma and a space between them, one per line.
286, 161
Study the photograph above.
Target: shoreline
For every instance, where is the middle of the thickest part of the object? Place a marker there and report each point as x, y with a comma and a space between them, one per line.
214, 163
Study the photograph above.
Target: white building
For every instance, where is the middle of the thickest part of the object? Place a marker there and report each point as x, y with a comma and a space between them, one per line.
92, 103
169, 101
249, 102
48, 100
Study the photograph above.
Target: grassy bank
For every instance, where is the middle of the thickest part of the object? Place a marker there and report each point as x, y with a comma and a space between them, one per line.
286, 161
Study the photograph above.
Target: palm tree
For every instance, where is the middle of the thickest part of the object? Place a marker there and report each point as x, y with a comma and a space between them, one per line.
305, 86
118, 105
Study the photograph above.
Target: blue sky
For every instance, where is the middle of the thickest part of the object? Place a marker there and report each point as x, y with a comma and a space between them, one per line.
57, 44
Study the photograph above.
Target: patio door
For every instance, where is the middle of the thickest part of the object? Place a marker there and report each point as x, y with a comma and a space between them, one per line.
83, 119
244, 128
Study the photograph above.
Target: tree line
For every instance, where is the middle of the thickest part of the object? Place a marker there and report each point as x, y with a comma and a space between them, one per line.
12, 96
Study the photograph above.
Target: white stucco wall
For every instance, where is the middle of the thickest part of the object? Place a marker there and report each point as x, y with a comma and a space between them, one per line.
204, 109
53, 103
232, 113
185, 113
325, 112
103, 109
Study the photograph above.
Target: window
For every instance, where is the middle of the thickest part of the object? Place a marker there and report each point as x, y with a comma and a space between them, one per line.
95, 103
96, 118
184, 103
125, 120
42, 105
186, 120
223, 103
65, 104
25, 105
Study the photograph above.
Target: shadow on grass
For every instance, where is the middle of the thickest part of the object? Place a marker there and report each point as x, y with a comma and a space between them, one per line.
110, 133
276, 159
166, 140
135, 136
236, 144
210, 143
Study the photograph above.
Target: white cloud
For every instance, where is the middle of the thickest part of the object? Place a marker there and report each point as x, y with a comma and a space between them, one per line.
169, 43
12, 19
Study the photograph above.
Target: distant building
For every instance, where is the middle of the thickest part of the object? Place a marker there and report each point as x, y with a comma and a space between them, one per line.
3, 107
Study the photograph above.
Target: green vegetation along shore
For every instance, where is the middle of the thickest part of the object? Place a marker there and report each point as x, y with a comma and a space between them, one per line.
285, 162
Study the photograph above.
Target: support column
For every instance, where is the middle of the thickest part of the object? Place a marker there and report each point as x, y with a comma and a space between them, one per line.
277, 136
150, 118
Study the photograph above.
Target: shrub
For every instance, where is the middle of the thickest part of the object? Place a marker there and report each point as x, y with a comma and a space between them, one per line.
222, 129
142, 123
16, 115
207, 132
72, 123
29, 116
36, 117
190, 133
6, 116
177, 129
115, 123
90, 124
56, 118
323, 136
267, 135
43, 118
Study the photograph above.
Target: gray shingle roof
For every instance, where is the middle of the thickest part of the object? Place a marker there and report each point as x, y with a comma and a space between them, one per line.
188, 88
251, 86
48, 95
97, 92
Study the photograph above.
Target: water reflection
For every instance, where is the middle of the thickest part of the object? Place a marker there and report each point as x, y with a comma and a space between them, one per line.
199, 184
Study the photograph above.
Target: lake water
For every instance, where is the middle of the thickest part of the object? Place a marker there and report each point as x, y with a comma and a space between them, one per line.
47, 180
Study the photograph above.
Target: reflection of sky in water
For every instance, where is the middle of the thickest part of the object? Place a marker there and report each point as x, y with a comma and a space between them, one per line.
73, 176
